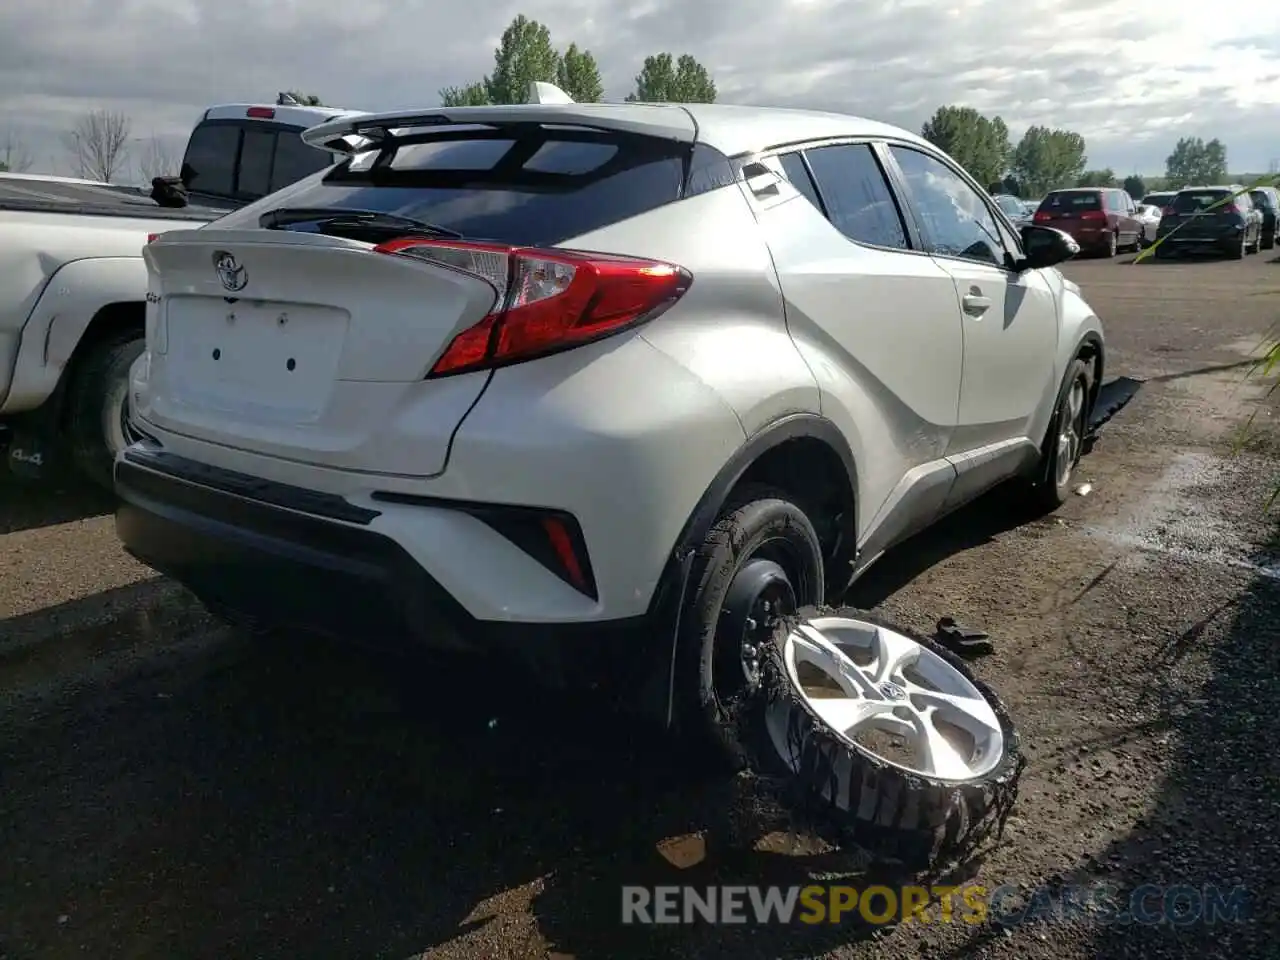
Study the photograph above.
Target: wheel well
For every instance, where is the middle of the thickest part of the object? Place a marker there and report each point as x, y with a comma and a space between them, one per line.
815, 475
1091, 353
112, 322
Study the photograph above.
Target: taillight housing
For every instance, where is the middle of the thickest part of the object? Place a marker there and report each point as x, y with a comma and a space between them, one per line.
547, 300
261, 113
1042, 216
1168, 212
151, 237
1230, 208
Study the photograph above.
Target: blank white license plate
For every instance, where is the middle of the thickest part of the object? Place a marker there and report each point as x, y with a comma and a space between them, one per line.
257, 360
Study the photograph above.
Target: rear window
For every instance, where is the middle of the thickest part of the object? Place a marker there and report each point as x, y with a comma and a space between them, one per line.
1190, 201
530, 188
1157, 199
248, 159
1070, 201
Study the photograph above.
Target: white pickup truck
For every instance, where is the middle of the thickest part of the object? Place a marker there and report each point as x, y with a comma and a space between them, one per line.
73, 285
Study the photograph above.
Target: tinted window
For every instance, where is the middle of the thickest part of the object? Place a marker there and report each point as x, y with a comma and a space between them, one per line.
256, 155
1071, 201
211, 158
1189, 201
523, 206
451, 155
954, 217
857, 195
793, 166
566, 156
295, 160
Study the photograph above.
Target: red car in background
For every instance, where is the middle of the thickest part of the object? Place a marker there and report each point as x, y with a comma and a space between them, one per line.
1102, 220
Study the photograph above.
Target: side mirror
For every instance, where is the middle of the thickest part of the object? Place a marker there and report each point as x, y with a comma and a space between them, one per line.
1046, 247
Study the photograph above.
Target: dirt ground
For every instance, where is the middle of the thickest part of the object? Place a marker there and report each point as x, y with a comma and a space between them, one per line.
171, 789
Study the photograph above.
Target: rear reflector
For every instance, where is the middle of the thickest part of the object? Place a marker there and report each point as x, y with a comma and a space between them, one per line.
547, 300
261, 113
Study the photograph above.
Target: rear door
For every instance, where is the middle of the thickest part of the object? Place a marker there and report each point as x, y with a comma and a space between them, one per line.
875, 317
301, 345
1009, 319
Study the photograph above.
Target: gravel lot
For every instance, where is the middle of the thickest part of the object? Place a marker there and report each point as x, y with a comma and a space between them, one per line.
169, 789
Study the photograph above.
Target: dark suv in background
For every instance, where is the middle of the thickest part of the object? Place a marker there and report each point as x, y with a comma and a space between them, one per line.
1267, 200
1213, 219
1101, 219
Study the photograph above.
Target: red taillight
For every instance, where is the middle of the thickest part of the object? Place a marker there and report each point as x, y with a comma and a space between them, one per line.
548, 300
261, 113
151, 237
1230, 208
1093, 215
1168, 212
1042, 216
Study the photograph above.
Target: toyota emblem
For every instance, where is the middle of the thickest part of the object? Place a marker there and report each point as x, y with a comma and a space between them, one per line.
230, 272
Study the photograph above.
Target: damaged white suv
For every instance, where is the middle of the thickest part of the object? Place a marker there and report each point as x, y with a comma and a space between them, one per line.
600, 386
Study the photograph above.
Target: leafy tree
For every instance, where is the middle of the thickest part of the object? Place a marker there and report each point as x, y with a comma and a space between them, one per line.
1045, 159
665, 80
1135, 186
472, 95
524, 54
305, 99
979, 144
1195, 162
579, 75
1097, 178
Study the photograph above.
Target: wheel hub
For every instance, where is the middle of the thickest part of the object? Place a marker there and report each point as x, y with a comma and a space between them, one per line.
759, 595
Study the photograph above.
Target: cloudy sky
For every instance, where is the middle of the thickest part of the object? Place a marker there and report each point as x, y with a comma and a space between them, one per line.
1131, 77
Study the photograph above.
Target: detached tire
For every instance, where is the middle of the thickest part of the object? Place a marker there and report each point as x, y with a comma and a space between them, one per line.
763, 550
852, 796
98, 405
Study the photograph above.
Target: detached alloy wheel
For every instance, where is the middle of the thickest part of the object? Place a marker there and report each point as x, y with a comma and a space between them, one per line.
761, 561
894, 742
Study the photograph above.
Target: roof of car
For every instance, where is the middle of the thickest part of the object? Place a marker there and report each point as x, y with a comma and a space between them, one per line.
291, 114
733, 130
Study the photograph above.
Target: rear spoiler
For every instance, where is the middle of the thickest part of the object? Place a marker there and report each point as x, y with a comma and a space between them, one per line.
356, 134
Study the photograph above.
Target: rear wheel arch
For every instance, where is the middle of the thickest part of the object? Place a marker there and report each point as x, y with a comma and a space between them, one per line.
112, 323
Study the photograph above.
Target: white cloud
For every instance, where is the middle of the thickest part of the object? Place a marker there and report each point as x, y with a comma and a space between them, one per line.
1131, 81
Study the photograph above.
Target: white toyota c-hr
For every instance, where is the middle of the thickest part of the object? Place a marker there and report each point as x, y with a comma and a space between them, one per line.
600, 386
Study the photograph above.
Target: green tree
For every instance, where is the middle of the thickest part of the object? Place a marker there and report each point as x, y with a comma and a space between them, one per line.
1097, 178
1045, 159
524, 54
472, 95
663, 79
306, 99
1195, 162
1135, 186
979, 144
579, 75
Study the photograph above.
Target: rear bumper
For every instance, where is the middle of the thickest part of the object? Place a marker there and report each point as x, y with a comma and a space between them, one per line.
276, 556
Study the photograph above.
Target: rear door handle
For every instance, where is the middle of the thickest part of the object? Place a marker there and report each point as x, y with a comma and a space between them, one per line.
975, 304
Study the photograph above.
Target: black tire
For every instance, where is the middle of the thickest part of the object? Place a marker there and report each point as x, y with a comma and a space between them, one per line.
1268, 243
1238, 252
760, 524
1049, 492
97, 404
1112, 247
852, 797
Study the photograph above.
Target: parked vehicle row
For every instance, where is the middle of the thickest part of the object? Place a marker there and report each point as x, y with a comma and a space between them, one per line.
605, 387
1225, 219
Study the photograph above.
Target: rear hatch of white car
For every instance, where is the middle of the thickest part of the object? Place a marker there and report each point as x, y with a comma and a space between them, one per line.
303, 326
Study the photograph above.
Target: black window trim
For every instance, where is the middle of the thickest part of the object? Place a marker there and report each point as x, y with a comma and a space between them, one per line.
910, 228
899, 182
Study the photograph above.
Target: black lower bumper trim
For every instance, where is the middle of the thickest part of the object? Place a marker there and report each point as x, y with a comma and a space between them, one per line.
277, 567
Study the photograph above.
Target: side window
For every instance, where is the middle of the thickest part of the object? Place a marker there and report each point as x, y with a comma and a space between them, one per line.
256, 156
954, 217
295, 160
210, 162
793, 166
858, 200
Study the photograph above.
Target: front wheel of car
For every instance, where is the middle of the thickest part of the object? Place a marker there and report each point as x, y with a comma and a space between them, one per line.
761, 560
1064, 442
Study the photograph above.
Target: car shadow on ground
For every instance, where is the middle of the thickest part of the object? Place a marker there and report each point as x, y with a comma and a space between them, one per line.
1196, 874
283, 797
27, 504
